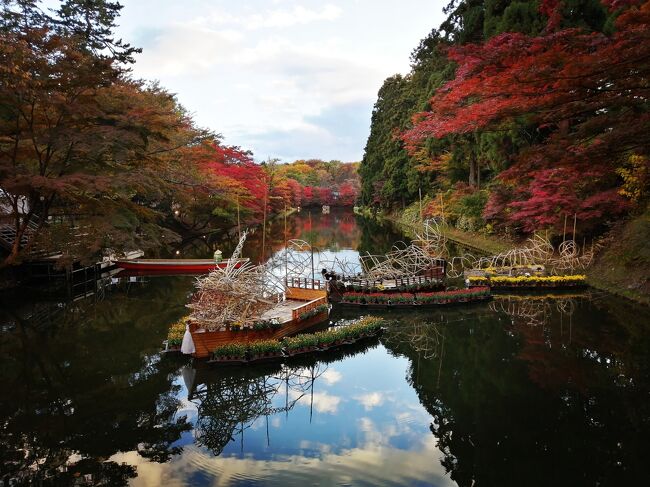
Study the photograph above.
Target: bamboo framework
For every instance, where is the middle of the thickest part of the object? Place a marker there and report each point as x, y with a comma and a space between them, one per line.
568, 257
432, 239
403, 261
236, 293
241, 292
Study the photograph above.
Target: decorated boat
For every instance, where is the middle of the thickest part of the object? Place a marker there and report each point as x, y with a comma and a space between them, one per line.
198, 266
244, 303
408, 276
298, 310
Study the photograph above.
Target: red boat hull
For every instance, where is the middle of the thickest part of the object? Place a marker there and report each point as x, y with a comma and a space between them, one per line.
174, 265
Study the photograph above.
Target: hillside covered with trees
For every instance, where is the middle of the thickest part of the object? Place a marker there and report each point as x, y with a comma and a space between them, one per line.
519, 115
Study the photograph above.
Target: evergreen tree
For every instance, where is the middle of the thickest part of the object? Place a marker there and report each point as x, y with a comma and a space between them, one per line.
93, 22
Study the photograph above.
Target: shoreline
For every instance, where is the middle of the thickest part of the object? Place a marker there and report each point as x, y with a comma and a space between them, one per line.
618, 287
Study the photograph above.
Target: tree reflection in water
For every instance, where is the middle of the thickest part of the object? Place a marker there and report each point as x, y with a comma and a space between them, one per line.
84, 381
558, 396
229, 401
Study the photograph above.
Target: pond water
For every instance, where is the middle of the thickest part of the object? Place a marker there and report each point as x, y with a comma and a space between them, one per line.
525, 390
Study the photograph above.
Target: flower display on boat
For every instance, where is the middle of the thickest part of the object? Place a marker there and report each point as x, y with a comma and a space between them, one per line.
176, 332
313, 312
523, 281
307, 342
441, 297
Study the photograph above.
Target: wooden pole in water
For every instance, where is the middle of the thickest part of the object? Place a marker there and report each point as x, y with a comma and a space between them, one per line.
286, 250
420, 193
266, 191
575, 221
442, 208
311, 246
238, 222
311, 404
268, 438
564, 231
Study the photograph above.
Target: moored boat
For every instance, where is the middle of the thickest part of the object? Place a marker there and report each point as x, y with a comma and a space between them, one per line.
244, 303
177, 265
301, 309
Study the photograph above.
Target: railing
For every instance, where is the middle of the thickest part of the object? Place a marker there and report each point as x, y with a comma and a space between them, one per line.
362, 282
430, 275
409, 281
305, 308
304, 283
8, 232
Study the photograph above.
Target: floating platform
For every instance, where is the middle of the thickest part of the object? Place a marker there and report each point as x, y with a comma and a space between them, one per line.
414, 305
259, 359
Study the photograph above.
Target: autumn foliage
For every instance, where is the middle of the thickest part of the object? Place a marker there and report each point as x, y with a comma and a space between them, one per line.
551, 115
584, 93
88, 152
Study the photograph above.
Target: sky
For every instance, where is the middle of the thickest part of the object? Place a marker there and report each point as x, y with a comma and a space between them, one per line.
287, 79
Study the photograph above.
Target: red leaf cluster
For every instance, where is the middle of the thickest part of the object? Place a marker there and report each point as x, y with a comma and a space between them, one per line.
586, 92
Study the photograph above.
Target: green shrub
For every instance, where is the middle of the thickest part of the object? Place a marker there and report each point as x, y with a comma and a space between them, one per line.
313, 312
261, 347
230, 350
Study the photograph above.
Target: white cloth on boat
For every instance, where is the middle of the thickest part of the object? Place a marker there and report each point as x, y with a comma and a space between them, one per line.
187, 347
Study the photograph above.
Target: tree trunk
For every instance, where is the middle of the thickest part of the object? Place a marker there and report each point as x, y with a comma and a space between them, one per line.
473, 171
10, 259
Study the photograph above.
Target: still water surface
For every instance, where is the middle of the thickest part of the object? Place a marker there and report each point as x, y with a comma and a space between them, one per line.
526, 390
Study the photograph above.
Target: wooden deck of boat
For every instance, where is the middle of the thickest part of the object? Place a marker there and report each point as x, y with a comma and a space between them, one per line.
282, 311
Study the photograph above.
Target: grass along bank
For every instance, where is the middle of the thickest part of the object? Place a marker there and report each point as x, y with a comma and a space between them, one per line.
410, 223
623, 266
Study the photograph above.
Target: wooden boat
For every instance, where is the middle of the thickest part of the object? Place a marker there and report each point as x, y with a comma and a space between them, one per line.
340, 287
176, 265
302, 309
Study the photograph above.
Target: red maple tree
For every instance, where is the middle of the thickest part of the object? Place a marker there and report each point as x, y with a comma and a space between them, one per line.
586, 95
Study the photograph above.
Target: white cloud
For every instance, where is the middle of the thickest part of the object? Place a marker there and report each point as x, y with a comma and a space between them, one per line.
331, 376
370, 400
372, 464
279, 77
326, 403
322, 401
297, 15
272, 19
